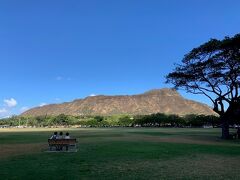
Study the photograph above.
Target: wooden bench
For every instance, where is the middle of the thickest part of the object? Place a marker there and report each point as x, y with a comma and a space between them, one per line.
60, 143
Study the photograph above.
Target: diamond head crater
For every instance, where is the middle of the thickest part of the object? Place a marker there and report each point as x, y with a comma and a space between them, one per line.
167, 101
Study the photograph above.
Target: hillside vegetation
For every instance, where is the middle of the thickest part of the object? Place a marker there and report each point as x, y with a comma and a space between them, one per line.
167, 101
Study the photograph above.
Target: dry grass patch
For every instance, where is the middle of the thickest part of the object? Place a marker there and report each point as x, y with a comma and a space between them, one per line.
8, 150
167, 139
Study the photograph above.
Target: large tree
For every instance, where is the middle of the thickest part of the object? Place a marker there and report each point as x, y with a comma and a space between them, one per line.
213, 69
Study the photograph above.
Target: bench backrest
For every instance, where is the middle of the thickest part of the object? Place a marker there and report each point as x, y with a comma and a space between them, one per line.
62, 141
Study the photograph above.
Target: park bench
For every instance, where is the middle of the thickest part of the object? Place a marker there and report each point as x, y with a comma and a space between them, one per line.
59, 144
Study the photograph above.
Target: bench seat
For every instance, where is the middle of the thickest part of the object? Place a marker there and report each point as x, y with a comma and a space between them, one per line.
60, 143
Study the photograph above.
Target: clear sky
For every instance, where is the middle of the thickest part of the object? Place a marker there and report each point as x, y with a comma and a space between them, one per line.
53, 51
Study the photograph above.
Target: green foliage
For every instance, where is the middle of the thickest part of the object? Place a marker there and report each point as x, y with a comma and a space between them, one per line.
163, 120
153, 120
99, 118
212, 69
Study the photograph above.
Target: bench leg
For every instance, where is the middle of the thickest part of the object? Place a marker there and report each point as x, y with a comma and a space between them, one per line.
50, 147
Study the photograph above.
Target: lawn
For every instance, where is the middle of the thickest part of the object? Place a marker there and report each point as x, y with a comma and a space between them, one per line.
121, 153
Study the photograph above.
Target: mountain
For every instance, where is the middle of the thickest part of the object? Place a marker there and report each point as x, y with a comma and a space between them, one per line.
165, 100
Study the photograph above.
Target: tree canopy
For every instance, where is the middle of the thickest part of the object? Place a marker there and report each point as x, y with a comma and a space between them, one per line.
213, 69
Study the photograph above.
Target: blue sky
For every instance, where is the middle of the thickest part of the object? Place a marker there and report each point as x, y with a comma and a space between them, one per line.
53, 51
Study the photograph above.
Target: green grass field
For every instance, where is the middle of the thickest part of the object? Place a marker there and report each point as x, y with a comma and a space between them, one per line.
121, 153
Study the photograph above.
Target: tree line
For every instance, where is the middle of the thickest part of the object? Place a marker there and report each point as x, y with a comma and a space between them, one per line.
153, 120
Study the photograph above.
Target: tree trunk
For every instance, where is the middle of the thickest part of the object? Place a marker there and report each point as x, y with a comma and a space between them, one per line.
225, 129
227, 118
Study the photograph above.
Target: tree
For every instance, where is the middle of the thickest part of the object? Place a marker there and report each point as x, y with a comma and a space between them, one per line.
61, 119
213, 69
99, 118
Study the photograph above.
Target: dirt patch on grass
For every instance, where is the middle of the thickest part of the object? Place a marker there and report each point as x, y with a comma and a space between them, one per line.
168, 139
8, 150
189, 140
185, 140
